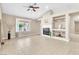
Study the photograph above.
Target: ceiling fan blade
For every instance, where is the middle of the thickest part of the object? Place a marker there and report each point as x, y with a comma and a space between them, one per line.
34, 10
30, 6
36, 7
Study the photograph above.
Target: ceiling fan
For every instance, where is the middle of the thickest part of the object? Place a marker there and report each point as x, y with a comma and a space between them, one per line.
32, 7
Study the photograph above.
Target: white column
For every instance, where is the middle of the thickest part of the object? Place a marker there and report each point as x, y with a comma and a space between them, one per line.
67, 26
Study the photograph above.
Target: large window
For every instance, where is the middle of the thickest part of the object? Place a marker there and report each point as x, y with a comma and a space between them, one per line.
22, 25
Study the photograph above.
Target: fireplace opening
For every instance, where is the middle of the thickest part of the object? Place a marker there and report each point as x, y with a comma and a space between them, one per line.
46, 31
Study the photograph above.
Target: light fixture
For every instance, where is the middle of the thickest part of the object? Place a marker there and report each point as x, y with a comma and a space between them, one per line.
33, 7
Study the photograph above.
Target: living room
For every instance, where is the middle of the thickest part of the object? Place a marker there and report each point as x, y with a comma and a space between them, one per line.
39, 28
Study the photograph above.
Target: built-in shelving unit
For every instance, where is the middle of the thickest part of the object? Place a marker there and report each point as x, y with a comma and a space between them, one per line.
60, 27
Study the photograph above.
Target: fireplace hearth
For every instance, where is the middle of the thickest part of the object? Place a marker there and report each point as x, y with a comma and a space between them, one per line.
46, 31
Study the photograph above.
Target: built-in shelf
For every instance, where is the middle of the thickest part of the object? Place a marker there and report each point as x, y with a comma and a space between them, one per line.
58, 30
59, 27
59, 38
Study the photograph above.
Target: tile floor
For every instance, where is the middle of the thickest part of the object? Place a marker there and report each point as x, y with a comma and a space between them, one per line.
38, 45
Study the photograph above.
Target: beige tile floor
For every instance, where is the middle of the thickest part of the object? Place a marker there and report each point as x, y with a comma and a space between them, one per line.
38, 45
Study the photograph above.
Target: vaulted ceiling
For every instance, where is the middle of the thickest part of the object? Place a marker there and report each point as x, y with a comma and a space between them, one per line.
18, 9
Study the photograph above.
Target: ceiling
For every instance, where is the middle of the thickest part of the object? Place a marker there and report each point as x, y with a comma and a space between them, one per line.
18, 9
